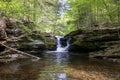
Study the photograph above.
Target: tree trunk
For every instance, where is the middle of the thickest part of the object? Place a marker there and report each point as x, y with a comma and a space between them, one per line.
118, 3
78, 21
107, 8
34, 13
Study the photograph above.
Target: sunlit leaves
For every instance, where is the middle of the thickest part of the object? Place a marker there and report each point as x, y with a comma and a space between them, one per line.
86, 13
41, 12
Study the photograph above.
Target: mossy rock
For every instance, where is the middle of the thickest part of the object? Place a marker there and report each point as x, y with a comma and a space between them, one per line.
93, 40
35, 45
50, 43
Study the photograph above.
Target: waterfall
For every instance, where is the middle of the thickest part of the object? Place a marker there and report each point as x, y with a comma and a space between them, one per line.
63, 7
59, 46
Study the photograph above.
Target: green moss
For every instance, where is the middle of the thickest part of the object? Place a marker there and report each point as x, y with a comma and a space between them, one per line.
26, 28
30, 38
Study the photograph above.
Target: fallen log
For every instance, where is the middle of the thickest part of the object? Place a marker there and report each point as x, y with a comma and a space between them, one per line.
20, 51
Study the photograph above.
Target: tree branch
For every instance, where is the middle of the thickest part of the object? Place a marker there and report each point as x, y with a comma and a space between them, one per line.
19, 51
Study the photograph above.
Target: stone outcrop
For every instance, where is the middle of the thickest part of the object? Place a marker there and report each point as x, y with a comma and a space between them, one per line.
103, 42
17, 37
36, 45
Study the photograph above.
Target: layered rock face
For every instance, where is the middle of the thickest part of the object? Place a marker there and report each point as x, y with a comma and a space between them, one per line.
18, 37
103, 42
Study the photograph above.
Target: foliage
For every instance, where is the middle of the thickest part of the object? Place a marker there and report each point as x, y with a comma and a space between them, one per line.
93, 13
41, 12
84, 14
26, 29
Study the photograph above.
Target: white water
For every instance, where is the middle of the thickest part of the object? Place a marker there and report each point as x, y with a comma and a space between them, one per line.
59, 46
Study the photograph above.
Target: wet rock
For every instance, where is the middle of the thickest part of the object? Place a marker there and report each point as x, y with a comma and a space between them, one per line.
36, 45
47, 38
85, 46
101, 44
50, 43
93, 40
111, 53
63, 42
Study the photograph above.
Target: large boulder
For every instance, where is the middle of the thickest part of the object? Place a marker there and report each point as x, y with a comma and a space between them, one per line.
40, 42
50, 41
36, 45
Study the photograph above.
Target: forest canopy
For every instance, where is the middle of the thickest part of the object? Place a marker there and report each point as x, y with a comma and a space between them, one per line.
82, 14
93, 13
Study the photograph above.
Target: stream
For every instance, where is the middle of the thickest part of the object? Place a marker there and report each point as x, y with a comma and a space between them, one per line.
60, 65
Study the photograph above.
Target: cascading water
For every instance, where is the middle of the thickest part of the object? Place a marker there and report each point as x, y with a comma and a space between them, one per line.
59, 46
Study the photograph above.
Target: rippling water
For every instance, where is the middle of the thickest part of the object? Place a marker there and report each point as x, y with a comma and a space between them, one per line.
60, 66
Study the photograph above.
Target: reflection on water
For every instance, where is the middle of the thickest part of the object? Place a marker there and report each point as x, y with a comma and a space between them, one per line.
62, 57
60, 66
